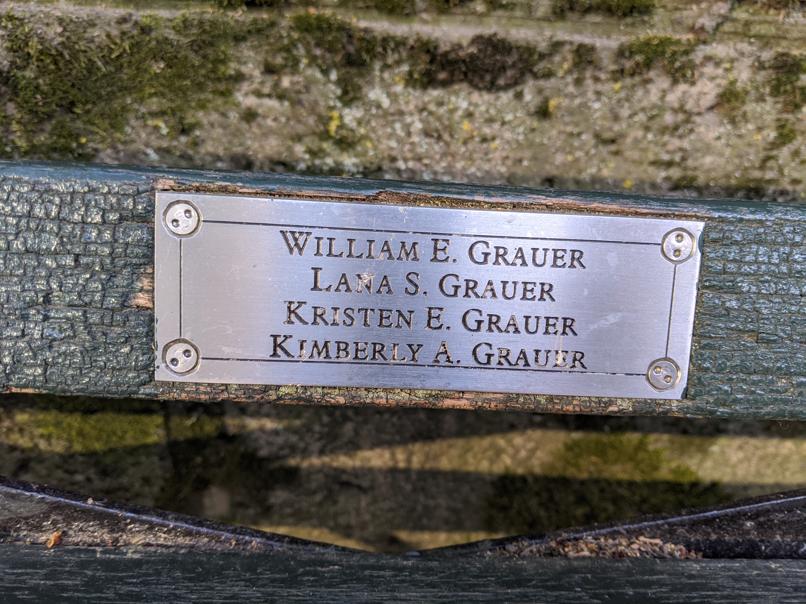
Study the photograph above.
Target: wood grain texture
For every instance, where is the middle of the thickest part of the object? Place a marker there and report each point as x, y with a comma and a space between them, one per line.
76, 266
84, 574
102, 551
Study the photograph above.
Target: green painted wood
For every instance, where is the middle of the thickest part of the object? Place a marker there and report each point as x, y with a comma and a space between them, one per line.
83, 574
107, 551
76, 265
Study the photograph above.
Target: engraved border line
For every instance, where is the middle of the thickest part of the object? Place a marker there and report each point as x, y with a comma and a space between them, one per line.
414, 232
180, 288
402, 232
671, 309
429, 365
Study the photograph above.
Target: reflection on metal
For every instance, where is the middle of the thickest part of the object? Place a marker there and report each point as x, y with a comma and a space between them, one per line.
678, 245
663, 374
181, 357
287, 291
182, 218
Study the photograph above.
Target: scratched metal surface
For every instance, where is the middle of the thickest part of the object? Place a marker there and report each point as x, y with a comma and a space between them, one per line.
77, 293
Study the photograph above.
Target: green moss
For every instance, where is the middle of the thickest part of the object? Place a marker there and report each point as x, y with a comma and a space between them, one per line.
334, 41
487, 62
584, 56
731, 99
685, 181
252, 3
82, 429
786, 80
68, 432
623, 456
750, 187
388, 7
775, 5
72, 85
503, 5
333, 44
616, 8
785, 134
406, 7
336, 47
249, 115
673, 55
638, 479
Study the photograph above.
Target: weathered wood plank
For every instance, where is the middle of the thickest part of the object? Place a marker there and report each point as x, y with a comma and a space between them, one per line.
100, 550
769, 527
86, 574
76, 290
82, 574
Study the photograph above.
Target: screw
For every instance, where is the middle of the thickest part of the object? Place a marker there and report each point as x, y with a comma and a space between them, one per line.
182, 218
678, 245
181, 356
663, 374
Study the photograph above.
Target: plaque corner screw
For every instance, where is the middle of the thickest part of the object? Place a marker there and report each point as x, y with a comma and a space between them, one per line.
182, 218
678, 245
180, 356
663, 374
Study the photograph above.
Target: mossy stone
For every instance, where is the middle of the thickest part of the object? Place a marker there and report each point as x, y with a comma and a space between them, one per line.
616, 8
673, 55
732, 98
786, 80
785, 134
487, 62
72, 89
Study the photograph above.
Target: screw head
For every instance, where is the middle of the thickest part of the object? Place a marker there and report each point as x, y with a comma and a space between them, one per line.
663, 374
182, 218
678, 245
180, 356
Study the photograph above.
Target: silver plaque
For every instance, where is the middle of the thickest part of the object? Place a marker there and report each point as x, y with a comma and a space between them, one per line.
253, 290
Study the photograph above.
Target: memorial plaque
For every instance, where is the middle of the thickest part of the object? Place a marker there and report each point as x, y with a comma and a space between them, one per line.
254, 290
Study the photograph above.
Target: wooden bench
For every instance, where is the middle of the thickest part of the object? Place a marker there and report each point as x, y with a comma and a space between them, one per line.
77, 290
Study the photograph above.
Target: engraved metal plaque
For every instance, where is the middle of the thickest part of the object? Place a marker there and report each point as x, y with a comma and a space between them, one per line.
284, 291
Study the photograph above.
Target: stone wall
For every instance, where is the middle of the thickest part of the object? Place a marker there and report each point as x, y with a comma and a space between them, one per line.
649, 95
